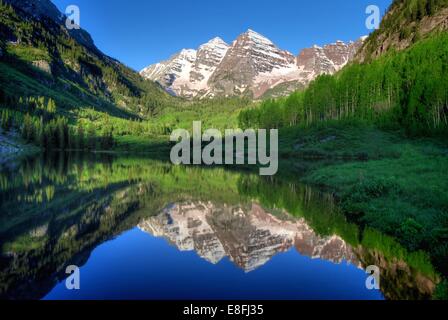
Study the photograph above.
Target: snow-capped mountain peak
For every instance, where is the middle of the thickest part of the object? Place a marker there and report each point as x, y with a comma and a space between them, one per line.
189, 54
257, 38
187, 73
251, 65
217, 41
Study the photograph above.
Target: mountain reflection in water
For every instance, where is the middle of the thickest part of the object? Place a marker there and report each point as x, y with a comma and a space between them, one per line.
57, 210
250, 236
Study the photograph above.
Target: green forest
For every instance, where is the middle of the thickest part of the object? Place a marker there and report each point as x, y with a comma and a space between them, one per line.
394, 91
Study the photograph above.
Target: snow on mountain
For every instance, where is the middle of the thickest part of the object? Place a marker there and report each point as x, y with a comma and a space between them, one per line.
187, 73
248, 235
328, 59
209, 56
251, 60
252, 65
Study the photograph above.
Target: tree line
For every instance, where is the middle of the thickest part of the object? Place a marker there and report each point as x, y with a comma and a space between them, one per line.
37, 121
407, 89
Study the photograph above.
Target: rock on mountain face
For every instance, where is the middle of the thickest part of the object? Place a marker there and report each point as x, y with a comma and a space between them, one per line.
188, 72
328, 59
250, 236
252, 65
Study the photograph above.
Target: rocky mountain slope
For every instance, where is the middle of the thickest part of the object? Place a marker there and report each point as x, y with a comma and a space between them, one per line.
188, 72
252, 65
405, 23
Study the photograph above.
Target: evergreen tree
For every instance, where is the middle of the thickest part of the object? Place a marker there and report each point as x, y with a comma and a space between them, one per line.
79, 145
430, 6
51, 106
48, 137
91, 138
40, 139
421, 9
62, 132
6, 120
27, 128
107, 140
2, 95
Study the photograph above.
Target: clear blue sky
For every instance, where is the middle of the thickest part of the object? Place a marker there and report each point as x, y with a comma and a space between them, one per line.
142, 32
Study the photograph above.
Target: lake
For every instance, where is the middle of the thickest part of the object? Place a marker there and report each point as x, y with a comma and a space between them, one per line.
145, 229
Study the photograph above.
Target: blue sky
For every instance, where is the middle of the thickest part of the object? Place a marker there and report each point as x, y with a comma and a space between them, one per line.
142, 32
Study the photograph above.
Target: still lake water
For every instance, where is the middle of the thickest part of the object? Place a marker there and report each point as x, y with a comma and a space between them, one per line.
143, 229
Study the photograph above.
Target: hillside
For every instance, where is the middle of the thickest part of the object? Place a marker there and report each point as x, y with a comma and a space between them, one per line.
59, 91
40, 57
252, 66
405, 23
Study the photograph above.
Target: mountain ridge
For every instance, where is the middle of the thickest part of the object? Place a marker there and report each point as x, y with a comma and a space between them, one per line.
40, 56
251, 65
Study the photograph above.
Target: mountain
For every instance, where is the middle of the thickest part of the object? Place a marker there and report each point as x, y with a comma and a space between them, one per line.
40, 9
405, 23
250, 236
39, 56
252, 65
187, 73
328, 59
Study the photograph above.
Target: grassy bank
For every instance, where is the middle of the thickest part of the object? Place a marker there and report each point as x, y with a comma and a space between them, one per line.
382, 179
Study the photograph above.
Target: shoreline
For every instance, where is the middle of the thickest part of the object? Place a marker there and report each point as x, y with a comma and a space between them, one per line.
13, 149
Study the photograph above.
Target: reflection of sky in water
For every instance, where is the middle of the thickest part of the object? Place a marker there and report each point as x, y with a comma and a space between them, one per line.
137, 265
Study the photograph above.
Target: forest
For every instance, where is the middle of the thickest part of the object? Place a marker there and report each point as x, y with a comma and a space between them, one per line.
38, 123
392, 91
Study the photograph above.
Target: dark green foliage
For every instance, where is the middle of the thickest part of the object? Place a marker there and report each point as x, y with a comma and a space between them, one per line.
49, 135
400, 190
107, 139
2, 96
91, 138
442, 291
431, 6
6, 120
39, 124
79, 138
